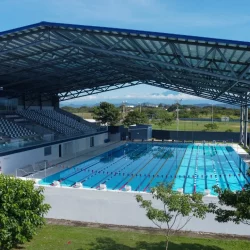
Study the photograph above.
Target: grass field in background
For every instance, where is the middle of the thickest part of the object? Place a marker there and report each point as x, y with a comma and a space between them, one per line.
199, 126
186, 125
85, 115
53, 237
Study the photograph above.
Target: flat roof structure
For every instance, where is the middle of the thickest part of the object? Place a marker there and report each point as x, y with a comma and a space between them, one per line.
54, 59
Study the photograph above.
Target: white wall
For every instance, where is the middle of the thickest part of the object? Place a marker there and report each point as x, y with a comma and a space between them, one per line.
120, 208
10, 163
75, 146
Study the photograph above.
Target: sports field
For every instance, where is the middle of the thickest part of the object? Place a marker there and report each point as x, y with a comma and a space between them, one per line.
186, 125
199, 126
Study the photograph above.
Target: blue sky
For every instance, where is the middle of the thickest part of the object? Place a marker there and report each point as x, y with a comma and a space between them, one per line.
227, 19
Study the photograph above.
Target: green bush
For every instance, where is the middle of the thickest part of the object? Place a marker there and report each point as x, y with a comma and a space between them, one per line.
21, 211
229, 130
211, 126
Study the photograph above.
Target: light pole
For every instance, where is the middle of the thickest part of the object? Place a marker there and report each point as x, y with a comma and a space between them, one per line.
123, 109
177, 118
140, 106
212, 112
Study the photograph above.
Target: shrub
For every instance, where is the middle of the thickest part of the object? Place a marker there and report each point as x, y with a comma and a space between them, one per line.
211, 126
21, 211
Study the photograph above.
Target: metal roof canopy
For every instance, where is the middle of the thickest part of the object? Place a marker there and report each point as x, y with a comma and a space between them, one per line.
52, 59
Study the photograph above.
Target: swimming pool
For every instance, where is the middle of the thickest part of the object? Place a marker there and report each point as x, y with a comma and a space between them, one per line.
192, 167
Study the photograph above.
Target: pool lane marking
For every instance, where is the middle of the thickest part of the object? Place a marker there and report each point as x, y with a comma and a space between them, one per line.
98, 170
196, 170
205, 167
132, 177
221, 168
214, 169
83, 169
88, 166
231, 167
101, 168
171, 167
120, 168
153, 167
168, 151
176, 163
155, 175
130, 173
184, 183
93, 173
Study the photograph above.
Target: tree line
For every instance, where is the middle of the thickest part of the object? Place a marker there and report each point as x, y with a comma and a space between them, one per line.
185, 111
109, 114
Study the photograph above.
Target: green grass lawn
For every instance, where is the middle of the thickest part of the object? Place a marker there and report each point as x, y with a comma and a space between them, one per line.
85, 115
199, 126
57, 237
186, 125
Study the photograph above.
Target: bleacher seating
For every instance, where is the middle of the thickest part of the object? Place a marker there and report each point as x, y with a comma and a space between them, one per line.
47, 122
79, 119
14, 130
68, 121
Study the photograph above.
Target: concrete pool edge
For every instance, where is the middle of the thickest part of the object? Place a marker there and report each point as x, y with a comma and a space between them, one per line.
94, 189
207, 192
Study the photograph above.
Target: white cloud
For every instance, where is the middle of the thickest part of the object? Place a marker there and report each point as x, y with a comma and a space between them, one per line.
140, 97
138, 12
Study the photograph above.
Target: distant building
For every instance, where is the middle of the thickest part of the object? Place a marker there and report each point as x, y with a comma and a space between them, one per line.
150, 105
225, 119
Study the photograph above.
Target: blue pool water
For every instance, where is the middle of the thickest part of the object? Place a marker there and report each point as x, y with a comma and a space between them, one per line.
142, 166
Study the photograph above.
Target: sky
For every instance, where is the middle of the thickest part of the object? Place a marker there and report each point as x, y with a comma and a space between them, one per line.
228, 19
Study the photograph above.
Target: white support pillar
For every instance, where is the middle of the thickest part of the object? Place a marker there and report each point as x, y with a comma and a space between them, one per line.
245, 125
241, 124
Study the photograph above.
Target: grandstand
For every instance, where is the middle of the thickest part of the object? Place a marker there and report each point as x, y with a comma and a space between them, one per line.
14, 125
45, 63
13, 130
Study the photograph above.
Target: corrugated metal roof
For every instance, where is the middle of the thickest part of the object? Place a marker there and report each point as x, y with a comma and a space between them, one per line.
76, 60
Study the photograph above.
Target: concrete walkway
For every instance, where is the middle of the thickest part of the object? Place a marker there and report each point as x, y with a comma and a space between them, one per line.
241, 152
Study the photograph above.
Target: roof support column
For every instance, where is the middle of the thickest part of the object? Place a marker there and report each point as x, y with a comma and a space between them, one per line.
241, 124
245, 125
40, 102
24, 100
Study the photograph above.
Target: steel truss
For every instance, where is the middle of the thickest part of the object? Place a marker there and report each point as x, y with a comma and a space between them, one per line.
70, 61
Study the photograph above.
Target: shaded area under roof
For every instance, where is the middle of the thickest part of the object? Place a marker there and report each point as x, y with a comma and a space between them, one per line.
52, 59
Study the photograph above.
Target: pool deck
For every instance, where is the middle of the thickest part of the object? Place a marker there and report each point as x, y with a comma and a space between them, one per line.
69, 161
241, 152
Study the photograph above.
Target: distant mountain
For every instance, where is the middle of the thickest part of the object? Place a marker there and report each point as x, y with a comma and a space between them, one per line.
62, 104
136, 103
224, 105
